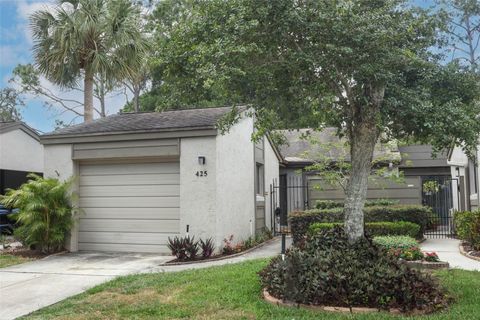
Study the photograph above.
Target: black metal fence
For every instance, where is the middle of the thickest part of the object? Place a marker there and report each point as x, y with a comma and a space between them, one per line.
440, 194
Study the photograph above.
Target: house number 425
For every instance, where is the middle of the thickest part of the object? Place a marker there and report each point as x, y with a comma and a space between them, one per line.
201, 173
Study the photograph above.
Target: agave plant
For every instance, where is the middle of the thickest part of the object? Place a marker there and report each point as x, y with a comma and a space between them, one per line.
45, 212
184, 248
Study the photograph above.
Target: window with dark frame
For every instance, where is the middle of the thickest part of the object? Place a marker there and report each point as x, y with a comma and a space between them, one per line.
260, 179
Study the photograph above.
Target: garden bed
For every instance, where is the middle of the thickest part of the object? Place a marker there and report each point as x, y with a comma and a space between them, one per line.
216, 257
355, 310
467, 250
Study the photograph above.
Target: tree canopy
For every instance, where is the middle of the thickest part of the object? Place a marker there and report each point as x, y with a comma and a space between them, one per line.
366, 67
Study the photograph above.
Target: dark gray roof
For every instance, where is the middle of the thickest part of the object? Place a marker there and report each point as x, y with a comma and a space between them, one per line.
307, 146
147, 122
18, 125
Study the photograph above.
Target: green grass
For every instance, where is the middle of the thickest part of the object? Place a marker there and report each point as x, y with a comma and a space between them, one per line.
226, 292
7, 260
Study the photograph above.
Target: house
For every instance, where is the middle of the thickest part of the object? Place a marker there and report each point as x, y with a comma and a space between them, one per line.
465, 170
415, 163
144, 177
20, 154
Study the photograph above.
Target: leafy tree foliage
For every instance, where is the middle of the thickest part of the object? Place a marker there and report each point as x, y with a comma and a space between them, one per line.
9, 103
365, 67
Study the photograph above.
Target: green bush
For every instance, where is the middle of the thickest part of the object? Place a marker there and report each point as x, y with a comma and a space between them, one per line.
329, 204
420, 215
45, 212
329, 270
401, 228
467, 226
403, 247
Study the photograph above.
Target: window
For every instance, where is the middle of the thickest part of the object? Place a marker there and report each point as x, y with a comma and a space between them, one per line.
260, 179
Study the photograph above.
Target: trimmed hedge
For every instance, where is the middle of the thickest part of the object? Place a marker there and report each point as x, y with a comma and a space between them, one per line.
467, 225
301, 220
398, 228
329, 204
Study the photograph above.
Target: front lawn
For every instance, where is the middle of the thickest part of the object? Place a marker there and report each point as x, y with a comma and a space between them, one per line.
7, 260
226, 292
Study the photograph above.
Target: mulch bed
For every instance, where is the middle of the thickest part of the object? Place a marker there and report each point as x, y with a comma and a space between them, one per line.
467, 250
25, 253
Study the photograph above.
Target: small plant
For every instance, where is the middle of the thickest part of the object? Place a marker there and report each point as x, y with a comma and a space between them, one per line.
228, 246
431, 257
45, 213
207, 247
183, 248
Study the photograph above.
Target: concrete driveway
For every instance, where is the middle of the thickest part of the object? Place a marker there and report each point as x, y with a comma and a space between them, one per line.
30, 286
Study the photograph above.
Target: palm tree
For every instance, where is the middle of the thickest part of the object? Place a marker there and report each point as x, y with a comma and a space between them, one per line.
87, 38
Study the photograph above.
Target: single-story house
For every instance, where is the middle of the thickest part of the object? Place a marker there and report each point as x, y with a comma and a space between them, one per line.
20, 154
144, 177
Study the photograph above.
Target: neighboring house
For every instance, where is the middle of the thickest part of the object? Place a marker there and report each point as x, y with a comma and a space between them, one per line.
20, 154
304, 187
144, 177
466, 171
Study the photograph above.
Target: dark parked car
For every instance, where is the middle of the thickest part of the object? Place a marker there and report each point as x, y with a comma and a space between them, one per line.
6, 225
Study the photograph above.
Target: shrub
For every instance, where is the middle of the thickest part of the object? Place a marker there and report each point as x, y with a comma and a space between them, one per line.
400, 247
207, 247
184, 248
401, 228
431, 257
467, 226
329, 270
45, 212
329, 204
420, 215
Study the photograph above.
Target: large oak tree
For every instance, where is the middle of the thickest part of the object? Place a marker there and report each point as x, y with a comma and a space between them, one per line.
366, 67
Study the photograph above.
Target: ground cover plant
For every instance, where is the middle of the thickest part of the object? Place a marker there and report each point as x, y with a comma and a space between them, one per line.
232, 291
373, 229
328, 269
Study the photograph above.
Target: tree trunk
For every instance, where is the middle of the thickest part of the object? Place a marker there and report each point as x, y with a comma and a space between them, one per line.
363, 135
88, 97
103, 113
136, 99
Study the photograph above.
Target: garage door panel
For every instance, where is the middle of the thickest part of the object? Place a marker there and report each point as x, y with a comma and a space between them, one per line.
130, 179
129, 206
130, 225
159, 249
130, 202
129, 168
125, 191
131, 213
125, 237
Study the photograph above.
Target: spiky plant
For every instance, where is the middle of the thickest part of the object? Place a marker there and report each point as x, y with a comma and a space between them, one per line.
45, 212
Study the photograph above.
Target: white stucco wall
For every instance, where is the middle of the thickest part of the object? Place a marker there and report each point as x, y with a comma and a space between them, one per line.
198, 194
59, 164
235, 182
271, 173
19, 151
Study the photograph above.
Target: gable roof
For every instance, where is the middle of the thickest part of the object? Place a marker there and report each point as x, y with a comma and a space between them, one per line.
8, 126
145, 122
302, 151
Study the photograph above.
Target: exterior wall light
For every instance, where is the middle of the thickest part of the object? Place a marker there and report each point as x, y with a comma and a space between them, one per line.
202, 160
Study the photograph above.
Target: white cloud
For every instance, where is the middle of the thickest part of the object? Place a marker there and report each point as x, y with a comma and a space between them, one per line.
11, 55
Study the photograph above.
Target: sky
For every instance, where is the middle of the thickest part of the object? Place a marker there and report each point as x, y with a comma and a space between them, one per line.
15, 48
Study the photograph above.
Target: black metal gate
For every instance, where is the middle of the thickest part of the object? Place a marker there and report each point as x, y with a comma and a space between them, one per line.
290, 194
440, 193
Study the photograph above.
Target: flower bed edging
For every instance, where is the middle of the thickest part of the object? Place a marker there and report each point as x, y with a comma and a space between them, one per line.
279, 302
420, 264
217, 258
466, 254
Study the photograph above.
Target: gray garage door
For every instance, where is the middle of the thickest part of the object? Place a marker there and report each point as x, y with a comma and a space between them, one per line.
131, 207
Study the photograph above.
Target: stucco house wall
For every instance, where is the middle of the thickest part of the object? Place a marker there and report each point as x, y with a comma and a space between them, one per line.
20, 151
272, 171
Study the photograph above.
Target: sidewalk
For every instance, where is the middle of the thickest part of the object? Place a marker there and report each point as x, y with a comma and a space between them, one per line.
447, 250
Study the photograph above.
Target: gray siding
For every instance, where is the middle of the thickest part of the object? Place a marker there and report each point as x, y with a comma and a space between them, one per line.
127, 149
129, 206
408, 192
421, 156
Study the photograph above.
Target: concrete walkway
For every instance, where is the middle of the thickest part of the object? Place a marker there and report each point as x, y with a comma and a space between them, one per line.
447, 250
31, 286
